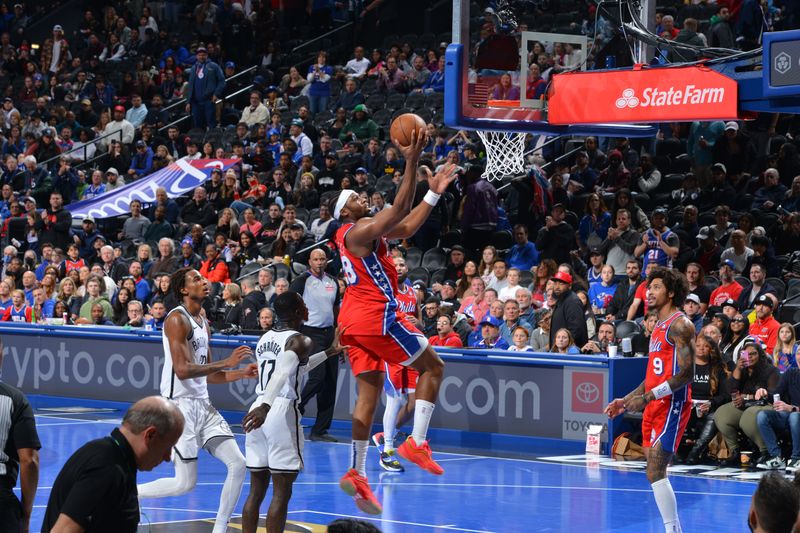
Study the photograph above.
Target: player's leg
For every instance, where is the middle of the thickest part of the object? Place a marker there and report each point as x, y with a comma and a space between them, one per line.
394, 406
259, 483
369, 391
278, 507
407, 412
227, 451
657, 462
185, 479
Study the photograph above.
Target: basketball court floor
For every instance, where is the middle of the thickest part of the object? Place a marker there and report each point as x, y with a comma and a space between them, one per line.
477, 493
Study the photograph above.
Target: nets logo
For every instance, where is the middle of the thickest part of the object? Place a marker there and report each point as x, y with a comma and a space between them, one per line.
587, 392
654, 97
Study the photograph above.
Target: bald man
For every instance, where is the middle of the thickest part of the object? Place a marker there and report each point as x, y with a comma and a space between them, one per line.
96, 488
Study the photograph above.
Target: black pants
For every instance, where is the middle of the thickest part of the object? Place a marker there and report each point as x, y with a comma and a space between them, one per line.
322, 380
10, 512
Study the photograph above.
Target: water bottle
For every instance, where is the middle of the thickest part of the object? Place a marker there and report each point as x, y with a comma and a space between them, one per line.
627, 347
611, 61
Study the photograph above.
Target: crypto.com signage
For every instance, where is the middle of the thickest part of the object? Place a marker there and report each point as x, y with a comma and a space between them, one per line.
666, 94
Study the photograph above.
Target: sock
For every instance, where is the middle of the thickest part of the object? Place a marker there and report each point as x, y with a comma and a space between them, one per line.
358, 460
393, 406
227, 451
422, 418
667, 506
184, 481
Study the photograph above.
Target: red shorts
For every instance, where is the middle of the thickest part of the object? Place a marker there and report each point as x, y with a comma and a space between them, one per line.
665, 421
402, 344
399, 379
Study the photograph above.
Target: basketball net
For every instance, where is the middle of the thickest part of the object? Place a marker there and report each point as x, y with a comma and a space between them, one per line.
505, 154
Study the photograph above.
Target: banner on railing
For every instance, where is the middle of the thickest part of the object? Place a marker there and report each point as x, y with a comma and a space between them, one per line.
177, 179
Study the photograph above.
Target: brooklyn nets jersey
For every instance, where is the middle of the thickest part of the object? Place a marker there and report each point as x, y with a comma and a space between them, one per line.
269, 355
171, 386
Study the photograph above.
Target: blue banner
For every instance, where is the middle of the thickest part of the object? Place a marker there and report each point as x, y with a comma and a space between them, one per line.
178, 178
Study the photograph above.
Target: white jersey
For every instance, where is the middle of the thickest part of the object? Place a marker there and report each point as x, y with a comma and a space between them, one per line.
171, 386
269, 355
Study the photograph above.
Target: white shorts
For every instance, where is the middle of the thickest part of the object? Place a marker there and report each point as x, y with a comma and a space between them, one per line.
202, 422
276, 446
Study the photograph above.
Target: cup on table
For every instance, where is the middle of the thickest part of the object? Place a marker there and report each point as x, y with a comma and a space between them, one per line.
612, 350
746, 458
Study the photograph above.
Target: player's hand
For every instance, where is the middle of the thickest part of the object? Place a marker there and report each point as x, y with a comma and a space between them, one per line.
336, 347
635, 404
250, 371
239, 354
413, 150
442, 179
615, 408
255, 418
761, 393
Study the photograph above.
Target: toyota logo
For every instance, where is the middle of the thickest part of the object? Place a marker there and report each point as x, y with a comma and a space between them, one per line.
587, 392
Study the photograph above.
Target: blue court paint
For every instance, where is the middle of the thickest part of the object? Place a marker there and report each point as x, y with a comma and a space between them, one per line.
476, 493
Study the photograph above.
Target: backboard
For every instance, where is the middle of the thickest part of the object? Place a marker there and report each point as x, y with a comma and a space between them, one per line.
498, 68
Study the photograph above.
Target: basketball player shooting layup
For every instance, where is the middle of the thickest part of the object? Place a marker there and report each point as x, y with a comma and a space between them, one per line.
187, 367
371, 326
276, 448
665, 395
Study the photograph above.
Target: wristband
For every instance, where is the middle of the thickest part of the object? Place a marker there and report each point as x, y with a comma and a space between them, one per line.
662, 390
431, 198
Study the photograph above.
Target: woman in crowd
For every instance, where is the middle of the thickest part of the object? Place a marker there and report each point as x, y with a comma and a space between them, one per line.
544, 273
227, 224
709, 391
160, 289
739, 327
785, 354
307, 195
593, 227
541, 335
49, 282
120, 306
474, 304
564, 343
334, 126
464, 282
279, 246
232, 312
588, 313
752, 376
488, 257
520, 339
60, 310
251, 224
247, 249
68, 293
292, 84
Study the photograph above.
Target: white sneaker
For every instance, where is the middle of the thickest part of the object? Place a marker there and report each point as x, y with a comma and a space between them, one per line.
793, 464
771, 463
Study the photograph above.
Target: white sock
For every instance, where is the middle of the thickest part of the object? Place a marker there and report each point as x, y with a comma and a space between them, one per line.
422, 418
358, 459
667, 506
227, 451
393, 406
185, 479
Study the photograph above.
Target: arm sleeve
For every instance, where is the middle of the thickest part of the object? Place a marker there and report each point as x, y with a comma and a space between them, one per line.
314, 361
286, 366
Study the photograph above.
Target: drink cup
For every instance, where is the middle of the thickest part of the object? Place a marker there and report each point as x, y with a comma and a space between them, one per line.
776, 398
612, 350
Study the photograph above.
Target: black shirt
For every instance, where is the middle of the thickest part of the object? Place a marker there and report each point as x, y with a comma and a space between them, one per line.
16, 415
97, 487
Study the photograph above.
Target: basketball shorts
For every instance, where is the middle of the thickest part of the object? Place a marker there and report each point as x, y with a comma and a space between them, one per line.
401, 345
665, 421
399, 379
202, 422
276, 446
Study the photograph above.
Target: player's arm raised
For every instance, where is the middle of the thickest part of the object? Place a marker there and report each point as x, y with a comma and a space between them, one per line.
368, 229
438, 184
177, 330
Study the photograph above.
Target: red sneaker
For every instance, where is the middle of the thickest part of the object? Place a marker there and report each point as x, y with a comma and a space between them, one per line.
357, 486
420, 455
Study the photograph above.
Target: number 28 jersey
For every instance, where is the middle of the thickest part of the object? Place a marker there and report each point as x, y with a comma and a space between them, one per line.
269, 354
663, 363
369, 306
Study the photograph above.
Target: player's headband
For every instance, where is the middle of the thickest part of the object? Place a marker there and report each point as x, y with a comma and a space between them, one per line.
343, 197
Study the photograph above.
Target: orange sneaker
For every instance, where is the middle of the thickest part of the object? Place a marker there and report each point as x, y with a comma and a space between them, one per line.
420, 455
357, 486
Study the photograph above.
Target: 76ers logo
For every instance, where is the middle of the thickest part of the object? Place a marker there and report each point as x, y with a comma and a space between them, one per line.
655, 346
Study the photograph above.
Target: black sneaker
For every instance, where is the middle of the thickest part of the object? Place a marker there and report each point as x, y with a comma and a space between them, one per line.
323, 437
390, 463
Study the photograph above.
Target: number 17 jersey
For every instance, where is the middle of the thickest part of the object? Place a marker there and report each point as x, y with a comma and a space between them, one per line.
270, 348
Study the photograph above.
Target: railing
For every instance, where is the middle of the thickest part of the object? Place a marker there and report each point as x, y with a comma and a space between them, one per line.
187, 116
183, 101
324, 35
563, 156
84, 148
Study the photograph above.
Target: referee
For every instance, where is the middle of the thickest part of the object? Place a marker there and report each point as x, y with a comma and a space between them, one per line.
96, 489
321, 295
19, 452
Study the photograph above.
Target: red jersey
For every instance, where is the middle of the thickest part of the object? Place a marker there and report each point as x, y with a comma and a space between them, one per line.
766, 331
663, 363
406, 301
369, 305
69, 264
724, 292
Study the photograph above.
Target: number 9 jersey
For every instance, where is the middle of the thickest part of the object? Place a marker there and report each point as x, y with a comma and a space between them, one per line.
665, 419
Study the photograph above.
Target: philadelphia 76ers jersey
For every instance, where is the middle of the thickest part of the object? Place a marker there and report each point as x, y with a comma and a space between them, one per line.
663, 363
369, 306
406, 300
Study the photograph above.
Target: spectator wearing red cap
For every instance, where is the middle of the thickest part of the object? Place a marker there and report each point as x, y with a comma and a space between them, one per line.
568, 311
120, 124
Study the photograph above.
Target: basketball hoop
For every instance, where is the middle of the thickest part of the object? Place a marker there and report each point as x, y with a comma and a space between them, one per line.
505, 153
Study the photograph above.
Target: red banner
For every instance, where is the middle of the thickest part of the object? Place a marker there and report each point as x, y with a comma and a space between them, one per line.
642, 95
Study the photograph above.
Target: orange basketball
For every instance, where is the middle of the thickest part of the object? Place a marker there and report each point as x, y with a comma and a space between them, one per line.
403, 125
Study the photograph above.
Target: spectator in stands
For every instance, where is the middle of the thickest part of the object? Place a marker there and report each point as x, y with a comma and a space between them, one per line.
188, 257
762, 253
360, 126
141, 162
474, 304
615, 176
602, 292
256, 112
447, 294
606, 334
54, 224
765, 328
691, 307
166, 263
729, 288
752, 377
719, 188
625, 293
557, 238
135, 314
738, 252
563, 343
445, 336
214, 268
758, 287
768, 197
659, 245
785, 417
206, 84
695, 276
120, 124
620, 242
709, 252
95, 294
199, 210
785, 353
254, 300
568, 312
523, 255
511, 321
490, 334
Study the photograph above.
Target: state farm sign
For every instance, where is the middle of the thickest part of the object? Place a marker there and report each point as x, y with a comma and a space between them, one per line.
642, 95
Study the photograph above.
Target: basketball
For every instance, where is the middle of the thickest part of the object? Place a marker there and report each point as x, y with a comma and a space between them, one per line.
403, 125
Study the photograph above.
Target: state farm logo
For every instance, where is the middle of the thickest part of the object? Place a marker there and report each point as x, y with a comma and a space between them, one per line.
655, 97
587, 392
